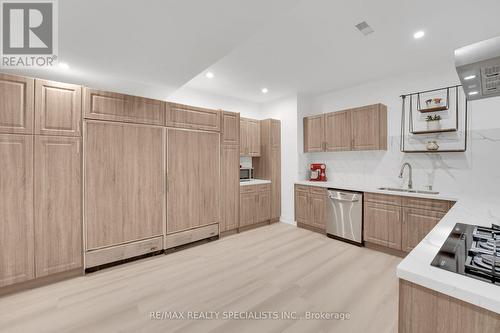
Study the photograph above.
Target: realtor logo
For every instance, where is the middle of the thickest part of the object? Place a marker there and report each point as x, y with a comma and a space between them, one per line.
29, 33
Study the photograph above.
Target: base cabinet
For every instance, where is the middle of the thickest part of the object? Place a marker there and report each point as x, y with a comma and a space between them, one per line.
310, 207
16, 209
255, 204
400, 223
58, 211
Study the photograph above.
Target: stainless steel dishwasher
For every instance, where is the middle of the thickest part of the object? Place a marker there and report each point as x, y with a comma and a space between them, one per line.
344, 216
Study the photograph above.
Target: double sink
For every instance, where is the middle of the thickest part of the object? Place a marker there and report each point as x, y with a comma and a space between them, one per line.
407, 190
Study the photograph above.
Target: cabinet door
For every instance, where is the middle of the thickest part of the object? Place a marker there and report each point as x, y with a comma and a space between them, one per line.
275, 134
301, 206
16, 104
58, 191
124, 182
230, 188
191, 117
417, 223
338, 131
243, 137
275, 164
317, 211
369, 128
247, 208
16, 207
230, 134
263, 210
253, 137
105, 105
192, 179
314, 133
58, 108
382, 225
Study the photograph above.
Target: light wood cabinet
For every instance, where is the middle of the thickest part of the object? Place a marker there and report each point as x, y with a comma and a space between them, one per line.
369, 127
249, 137
191, 117
58, 214
230, 187
193, 183
363, 128
104, 105
255, 205
16, 104
230, 132
423, 310
268, 166
230, 166
16, 207
124, 182
400, 222
417, 223
382, 225
58, 108
310, 207
338, 131
314, 134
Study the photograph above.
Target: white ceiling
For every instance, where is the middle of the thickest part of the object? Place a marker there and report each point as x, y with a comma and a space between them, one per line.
316, 48
152, 48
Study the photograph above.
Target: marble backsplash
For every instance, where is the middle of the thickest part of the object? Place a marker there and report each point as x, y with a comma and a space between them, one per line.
475, 171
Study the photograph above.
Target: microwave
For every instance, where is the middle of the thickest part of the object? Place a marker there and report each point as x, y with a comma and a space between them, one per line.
246, 174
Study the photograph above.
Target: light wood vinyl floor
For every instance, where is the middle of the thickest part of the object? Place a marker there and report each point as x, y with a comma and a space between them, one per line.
273, 268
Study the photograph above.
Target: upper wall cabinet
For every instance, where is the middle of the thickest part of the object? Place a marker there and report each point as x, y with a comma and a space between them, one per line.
102, 105
58, 108
249, 137
369, 127
314, 133
191, 117
363, 128
230, 134
16, 104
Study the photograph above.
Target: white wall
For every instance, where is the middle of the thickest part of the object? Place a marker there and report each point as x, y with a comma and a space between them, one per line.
474, 171
285, 110
207, 100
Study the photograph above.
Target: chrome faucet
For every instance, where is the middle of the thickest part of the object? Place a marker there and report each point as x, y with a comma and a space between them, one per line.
410, 181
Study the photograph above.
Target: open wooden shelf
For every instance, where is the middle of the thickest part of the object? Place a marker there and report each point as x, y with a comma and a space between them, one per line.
434, 109
445, 130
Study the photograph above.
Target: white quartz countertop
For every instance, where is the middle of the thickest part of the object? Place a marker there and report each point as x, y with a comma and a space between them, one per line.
255, 182
416, 266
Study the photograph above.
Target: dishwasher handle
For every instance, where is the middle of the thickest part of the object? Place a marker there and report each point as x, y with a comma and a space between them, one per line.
345, 197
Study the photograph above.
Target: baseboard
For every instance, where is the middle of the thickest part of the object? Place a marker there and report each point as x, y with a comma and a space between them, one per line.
308, 227
43, 281
384, 249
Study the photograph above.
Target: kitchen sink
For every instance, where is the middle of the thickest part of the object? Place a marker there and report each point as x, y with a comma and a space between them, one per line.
406, 190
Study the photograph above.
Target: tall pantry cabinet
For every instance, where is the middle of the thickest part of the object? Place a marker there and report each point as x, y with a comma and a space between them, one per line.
40, 182
268, 165
230, 168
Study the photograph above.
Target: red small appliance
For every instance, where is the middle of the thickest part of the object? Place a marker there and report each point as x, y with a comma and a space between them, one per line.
318, 172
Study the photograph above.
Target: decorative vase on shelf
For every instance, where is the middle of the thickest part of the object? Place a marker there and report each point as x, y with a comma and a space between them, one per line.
433, 125
432, 145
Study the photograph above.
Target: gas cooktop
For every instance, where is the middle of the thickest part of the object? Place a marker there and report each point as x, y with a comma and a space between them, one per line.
472, 251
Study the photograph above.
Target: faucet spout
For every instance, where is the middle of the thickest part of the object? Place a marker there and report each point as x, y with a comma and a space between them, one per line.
410, 181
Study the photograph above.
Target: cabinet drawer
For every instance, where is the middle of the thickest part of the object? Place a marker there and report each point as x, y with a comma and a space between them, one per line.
263, 188
430, 204
248, 188
317, 190
302, 188
383, 199
186, 116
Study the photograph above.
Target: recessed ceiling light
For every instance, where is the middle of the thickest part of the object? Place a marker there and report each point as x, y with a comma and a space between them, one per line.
419, 34
63, 65
473, 93
470, 77
209, 75
264, 90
